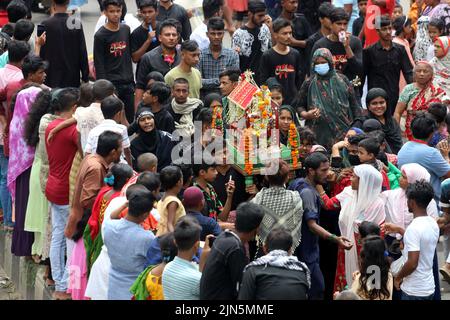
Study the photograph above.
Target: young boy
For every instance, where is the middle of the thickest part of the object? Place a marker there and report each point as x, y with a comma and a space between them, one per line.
283, 62
154, 98
204, 175
124, 234
415, 278
144, 38
398, 12
112, 55
170, 207
181, 278
112, 109
190, 56
359, 22
368, 150
194, 201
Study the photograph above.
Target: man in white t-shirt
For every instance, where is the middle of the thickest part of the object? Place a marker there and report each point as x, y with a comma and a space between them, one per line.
415, 278
112, 109
211, 8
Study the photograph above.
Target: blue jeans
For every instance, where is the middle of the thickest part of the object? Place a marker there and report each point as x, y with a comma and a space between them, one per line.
5, 196
408, 297
60, 215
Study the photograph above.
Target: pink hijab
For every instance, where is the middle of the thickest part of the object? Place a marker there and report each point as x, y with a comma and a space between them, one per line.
21, 155
395, 200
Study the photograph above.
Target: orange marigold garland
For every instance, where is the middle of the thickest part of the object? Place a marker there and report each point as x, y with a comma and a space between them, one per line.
247, 147
294, 144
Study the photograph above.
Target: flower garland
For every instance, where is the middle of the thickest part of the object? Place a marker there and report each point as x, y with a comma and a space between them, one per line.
248, 167
217, 122
293, 142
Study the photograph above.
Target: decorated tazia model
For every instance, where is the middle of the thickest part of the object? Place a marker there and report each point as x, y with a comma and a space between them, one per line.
250, 119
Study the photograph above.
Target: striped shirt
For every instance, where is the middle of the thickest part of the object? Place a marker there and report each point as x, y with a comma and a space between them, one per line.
181, 280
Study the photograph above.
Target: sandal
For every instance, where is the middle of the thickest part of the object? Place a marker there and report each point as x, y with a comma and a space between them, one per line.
445, 274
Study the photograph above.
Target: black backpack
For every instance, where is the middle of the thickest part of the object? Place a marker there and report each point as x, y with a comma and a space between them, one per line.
4, 40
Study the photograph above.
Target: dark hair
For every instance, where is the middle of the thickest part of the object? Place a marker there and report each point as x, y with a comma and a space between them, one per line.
23, 30
437, 23
150, 180
132, 188
196, 168
8, 29
423, 126
187, 233
121, 172
447, 121
211, 8
189, 45
378, 135
161, 90
307, 134
16, 10
232, 74
17, 50
148, 3
186, 171
216, 23
180, 81
64, 99
86, 94
359, 1
61, 2
399, 23
356, 139
421, 192
281, 23
325, 9
145, 161
248, 216
41, 106
107, 142
279, 179
314, 160
102, 88
279, 239
168, 248
170, 23
205, 115
367, 228
111, 106
382, 21
339, 14
371, 145
32, 64
115, 3
370, 125
438, 111
273, 84
210, 97
372, 255
140, 202
375, 93
255, 6
170, 176
154, 75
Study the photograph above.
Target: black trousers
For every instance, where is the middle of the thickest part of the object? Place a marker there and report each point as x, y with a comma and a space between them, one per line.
125, 92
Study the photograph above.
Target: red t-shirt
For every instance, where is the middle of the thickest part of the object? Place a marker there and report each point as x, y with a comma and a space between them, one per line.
61, 151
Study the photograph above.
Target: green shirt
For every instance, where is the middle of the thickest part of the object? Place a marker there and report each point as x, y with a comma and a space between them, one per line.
194, 78
4, 59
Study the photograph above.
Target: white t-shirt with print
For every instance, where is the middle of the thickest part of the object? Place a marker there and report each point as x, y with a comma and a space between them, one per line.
421, 235
87, 119
106, 125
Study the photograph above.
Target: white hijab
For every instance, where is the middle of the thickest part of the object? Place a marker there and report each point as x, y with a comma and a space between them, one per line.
358, 206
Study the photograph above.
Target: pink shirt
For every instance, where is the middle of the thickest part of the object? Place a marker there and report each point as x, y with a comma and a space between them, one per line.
8, 74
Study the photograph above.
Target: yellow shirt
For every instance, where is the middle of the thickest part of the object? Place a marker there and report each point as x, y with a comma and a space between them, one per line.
162, 209
154, 287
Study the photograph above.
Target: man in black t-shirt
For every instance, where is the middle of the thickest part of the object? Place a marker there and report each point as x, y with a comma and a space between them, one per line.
112, 55
145, 37
283, 62
347, 54
254, 38
167, 9
222, 274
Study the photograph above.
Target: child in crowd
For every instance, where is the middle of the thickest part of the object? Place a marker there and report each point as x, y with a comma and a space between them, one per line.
438, 111
435, 30
368, 150
276, 90
359, 22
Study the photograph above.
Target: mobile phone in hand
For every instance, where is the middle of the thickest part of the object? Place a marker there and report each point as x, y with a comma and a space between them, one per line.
211, 241
40, 30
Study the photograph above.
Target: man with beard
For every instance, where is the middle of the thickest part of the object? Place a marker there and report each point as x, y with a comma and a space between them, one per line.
317, 167
254, 38
161, 59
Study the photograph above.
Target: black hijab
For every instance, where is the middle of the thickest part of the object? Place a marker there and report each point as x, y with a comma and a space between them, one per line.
147, 141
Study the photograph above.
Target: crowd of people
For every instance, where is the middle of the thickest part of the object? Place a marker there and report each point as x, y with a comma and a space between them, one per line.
90, 186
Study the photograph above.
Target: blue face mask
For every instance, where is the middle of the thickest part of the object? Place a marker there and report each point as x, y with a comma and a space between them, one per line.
322, 69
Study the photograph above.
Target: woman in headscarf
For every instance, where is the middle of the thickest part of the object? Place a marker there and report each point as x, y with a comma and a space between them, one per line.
359, 202
441, 64
423, 40
327, 100
285, 207
20, 161
418, 95
286, 116
149, 139
397, 212
376, 102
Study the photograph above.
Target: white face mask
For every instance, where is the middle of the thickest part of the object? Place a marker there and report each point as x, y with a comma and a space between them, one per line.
322, 68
